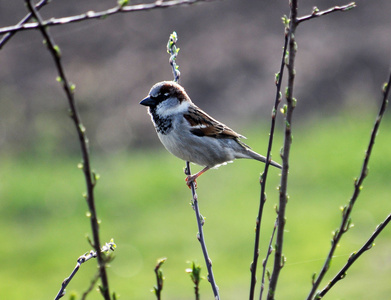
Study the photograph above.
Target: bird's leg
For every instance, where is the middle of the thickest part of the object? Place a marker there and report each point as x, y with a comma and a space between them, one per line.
192, 178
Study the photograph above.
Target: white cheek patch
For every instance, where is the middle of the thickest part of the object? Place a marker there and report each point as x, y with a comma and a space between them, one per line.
164, 109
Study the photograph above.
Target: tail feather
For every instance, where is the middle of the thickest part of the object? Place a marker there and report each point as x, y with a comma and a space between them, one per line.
262, 158
246, 151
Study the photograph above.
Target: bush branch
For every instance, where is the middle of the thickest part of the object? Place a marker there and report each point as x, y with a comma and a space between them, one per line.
195, 275
82, 259
99, 15
354, 256
159, 278
291, 25
9, 35
317, 13
288, 112
173, 51
264, 263
90, 177
200, 235
91, 287
347, 210
263, 177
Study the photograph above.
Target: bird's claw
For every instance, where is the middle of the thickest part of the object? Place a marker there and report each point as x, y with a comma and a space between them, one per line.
189, 180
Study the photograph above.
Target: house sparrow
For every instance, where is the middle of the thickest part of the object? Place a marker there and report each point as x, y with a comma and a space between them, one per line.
192, 135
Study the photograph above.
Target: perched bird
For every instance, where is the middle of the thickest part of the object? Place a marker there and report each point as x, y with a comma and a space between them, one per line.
191, 134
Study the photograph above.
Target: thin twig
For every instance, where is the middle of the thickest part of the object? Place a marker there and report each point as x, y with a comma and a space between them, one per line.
173, 51
82, 259
354, 256
9, 35
347, 210
91, 287
159, 278
279, 259
317, 13
263, 177
195, 275
90, 177
200, 235
264, 263
99, 15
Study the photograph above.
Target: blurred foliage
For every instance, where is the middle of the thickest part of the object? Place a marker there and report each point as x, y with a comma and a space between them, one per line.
230, 52
144, 205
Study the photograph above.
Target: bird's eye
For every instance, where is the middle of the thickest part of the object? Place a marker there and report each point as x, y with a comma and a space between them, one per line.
154, 96
160, 96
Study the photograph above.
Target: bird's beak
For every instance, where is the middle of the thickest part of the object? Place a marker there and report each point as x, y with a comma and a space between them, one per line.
148, 101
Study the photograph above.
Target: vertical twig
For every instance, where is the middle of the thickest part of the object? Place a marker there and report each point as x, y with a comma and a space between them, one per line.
159, 278
263, 177
264, 263
195, 275
200, 236
90, 177
347, 210
291, 102
93, 282
288, 111
173, 51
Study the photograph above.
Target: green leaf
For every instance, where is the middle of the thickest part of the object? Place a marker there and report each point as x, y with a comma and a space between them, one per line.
122, 3
286, 21
72, 87
57, 50
385, 85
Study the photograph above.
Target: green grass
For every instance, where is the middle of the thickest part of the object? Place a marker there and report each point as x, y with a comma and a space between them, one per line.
143, 203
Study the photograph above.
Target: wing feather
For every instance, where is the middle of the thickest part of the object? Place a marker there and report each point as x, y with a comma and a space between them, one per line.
204, 125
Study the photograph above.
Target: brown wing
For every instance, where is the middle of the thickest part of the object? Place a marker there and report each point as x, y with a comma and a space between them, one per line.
205, 125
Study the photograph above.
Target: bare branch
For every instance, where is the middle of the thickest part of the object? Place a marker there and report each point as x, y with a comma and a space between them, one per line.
264, 263
347, 210
99, 15
159, 278
288, 109
354, 256
82, 259
90, 177
317, 13
263, 177
91, 287
200, 236
9, 35
195, 275
173, 51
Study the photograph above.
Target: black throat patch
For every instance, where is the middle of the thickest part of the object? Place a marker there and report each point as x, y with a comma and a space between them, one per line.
162, 125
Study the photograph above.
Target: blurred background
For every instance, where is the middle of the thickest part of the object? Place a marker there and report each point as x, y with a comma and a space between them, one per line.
230, 51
